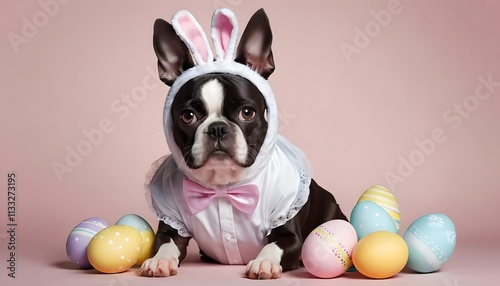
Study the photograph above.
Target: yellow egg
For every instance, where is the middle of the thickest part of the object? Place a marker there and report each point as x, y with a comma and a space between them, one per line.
381, 254
147, 233
384, 198
148, 240
115, 249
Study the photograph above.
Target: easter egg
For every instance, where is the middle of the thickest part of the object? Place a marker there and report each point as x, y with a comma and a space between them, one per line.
326, 252
79, 238
368, 217
384, 198
431, 241
115, 249
381, 254
147, 234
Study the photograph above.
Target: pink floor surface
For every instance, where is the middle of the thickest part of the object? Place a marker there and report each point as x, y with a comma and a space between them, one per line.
471, 264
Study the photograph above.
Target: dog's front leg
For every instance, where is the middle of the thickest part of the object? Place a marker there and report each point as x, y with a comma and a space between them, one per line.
170, 248
281, 254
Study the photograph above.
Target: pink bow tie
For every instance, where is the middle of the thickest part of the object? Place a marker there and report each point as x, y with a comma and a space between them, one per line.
244, 198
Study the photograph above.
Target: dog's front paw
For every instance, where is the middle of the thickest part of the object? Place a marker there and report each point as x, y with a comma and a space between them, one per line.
159, 267
267, 264
263, 269
165, 263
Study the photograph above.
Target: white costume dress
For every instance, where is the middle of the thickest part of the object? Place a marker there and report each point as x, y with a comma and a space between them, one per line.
281, 172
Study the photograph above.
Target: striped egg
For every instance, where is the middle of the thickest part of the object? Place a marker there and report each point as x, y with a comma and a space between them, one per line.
384, 198
327, 250
79, 239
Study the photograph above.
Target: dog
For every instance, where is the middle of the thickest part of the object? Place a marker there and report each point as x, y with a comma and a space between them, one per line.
243, 192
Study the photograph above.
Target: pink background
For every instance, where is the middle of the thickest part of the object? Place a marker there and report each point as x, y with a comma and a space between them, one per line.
357, 116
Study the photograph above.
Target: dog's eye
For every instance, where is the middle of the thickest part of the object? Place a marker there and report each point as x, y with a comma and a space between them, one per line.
188, 117
246, 114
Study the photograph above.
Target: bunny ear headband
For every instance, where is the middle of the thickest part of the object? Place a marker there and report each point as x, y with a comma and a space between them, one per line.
224, 33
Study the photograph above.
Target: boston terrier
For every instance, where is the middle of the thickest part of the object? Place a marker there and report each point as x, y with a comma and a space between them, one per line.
243, 192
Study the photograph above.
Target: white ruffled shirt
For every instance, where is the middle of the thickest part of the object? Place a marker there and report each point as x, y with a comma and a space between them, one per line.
223, 232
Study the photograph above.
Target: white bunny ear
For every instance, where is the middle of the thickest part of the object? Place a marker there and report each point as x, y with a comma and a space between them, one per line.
193, 36
224, 34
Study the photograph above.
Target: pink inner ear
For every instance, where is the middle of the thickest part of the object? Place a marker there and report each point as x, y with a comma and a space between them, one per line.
224, 29
194, 35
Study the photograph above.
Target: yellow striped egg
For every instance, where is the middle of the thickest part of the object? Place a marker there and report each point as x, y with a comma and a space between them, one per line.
384, 198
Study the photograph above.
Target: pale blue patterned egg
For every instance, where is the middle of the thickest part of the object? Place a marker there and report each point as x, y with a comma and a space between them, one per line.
134, 221
431, 241
367, 217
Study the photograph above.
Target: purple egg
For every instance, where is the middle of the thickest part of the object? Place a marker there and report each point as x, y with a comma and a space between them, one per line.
79, 239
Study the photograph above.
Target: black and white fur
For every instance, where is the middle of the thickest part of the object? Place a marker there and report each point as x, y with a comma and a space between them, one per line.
219, 125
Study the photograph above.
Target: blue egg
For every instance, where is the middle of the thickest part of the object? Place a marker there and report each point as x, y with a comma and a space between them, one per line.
134, 221
368, 217
431, 241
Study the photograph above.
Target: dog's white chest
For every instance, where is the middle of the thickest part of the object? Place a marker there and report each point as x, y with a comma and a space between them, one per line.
226, 234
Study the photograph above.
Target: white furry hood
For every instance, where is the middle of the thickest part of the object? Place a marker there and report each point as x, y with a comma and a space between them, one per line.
224, 34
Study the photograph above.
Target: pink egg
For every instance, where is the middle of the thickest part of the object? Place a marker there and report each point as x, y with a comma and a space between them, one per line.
327, 250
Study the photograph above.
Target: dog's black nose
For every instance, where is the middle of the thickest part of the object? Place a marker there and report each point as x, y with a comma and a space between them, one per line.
218, 130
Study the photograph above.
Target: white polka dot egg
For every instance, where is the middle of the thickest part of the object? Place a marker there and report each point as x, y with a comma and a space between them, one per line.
115, 249
368, 217
147, 233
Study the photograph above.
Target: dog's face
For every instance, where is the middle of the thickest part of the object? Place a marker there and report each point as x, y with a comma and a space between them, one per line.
218, 120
